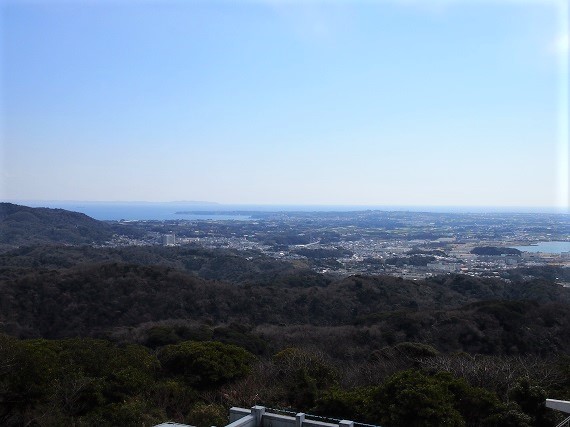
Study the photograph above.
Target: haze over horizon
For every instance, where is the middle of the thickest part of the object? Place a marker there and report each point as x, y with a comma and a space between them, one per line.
113, 210
388, 103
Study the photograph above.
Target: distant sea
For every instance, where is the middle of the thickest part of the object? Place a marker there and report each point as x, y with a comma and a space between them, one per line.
167, 211
546, 247
144, 211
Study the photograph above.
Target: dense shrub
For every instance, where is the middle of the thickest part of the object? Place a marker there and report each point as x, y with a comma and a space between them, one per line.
205, 364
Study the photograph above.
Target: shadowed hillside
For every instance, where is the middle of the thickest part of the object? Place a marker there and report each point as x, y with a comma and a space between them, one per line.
453, 313
22, 225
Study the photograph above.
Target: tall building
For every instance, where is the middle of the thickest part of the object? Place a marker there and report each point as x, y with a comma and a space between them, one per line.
169, 239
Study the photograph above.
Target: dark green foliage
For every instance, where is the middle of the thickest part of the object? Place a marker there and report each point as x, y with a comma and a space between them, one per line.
241, 336
531, 399
205, 364
95, 299
411, 398
34, 368
352, 404
94, 382
493, 250
158, 336
79, 377
208, 414
132, 412
220, 264
173, 333
304, 375
21, 225
409, 351
510, 417
546, 272
563, 366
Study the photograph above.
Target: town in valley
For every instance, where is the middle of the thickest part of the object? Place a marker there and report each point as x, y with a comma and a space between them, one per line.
407, 244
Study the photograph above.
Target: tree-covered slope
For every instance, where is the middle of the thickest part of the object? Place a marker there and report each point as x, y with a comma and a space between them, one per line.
211, 264
93, 300
22, 225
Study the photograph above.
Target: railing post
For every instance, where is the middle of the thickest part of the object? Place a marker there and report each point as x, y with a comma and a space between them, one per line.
299, 419
257, 412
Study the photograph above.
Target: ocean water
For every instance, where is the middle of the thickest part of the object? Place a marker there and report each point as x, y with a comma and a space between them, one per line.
133, 212
546, 247
204, 211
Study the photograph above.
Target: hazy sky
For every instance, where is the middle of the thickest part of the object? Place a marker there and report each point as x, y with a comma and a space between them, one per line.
305, 102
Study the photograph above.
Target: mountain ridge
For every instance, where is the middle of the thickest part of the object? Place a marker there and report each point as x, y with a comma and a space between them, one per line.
23, 225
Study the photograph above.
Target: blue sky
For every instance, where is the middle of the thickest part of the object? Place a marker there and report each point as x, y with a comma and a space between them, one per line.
282, 102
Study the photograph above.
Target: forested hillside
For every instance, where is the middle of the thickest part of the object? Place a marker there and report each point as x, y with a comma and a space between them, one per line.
452, 313
22, 225
221, 264
139, 335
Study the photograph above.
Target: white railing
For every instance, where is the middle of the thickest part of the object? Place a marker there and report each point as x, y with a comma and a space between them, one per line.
562, 406
258, 416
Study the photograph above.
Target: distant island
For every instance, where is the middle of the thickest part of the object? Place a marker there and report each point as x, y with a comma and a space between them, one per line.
202, 212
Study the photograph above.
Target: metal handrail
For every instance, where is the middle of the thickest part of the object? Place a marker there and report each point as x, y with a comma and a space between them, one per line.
318, 417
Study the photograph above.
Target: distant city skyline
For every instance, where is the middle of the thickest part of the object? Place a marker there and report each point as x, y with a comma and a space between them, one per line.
387, 103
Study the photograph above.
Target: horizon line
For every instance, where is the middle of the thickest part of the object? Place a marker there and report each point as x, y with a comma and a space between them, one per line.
479, 208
